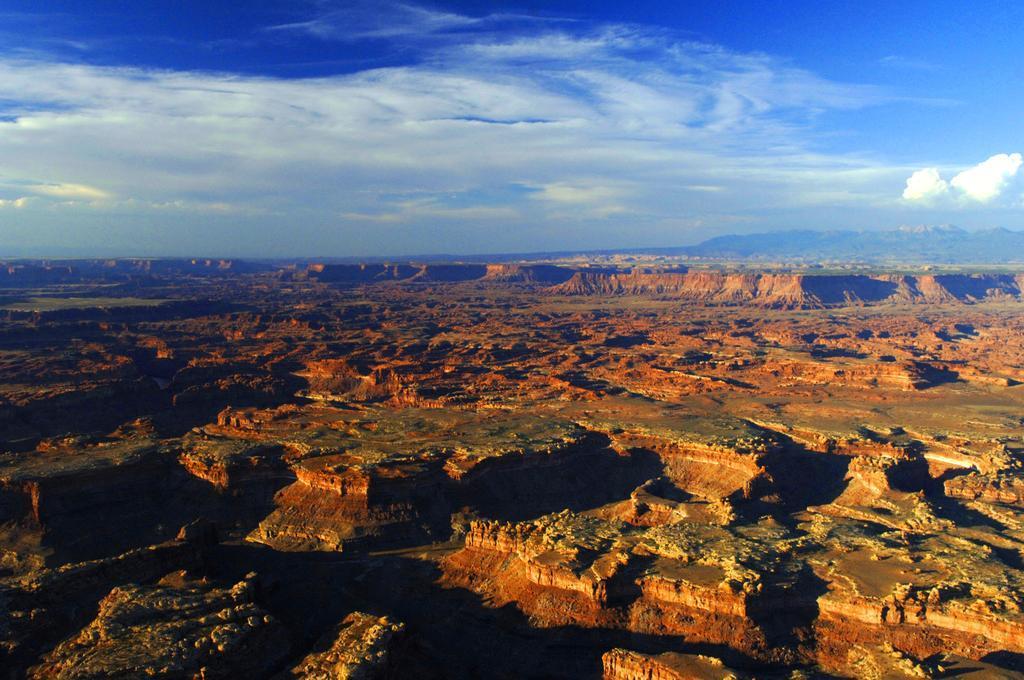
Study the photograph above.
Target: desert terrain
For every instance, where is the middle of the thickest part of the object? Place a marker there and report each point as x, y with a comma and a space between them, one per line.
219, 469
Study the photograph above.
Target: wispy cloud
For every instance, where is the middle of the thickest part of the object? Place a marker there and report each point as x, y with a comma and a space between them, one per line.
903, 62
360, 20
432, 208
552, 126
69, 191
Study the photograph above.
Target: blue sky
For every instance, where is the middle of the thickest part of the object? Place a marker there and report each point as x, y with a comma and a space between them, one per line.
375, 128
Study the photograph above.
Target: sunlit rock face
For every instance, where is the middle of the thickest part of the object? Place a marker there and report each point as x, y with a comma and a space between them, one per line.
456, 470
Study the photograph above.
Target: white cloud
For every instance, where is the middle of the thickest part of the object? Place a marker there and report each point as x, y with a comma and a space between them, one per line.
70, 191
406, 211
561, 192
986, 181
592, 200
382, 217
925, 185
650, 122
14, 202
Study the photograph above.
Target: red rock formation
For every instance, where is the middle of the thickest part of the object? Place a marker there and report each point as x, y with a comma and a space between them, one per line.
360, 273
527, 273
360, 648
792, 291
704, 469
572, 570
335, 501
756, 466
1007, 489
622, 664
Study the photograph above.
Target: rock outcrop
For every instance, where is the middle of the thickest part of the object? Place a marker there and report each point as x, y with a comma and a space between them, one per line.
533, 467
172, 631
699, 583
795, 291
622, 664
360, 649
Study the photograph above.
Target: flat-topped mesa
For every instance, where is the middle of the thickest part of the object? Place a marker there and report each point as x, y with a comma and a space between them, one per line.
720, 573
548, 443
935, 593
971, 287
540, 274
337, 501
594, 281
361, 273
215, 383
792, 291
570, 554
342, 499
242, 419
704, 286
623, 664
42, 272
232, 464
91, 500
271, 425
554, 465
243, 473
939, 457
544, 274
449, 273
195, 266
392, 477
924, 621
901, 375
688, 580
438, 273
360, 647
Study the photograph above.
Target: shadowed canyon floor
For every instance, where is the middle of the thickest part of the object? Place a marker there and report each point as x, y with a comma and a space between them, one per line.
218, 469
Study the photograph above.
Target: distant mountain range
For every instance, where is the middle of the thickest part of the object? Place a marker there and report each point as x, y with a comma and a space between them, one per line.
943, 244
911, 245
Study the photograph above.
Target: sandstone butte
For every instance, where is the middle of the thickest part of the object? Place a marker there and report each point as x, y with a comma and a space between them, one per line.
220, 469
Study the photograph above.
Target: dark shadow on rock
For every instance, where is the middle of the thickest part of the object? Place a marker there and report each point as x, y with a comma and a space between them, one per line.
788, 607
145, 504
930, 375
1013, 661
951, 509
804, 478
450, 632
515, 490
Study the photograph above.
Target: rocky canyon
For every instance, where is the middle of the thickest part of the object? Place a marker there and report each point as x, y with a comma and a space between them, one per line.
564, 469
